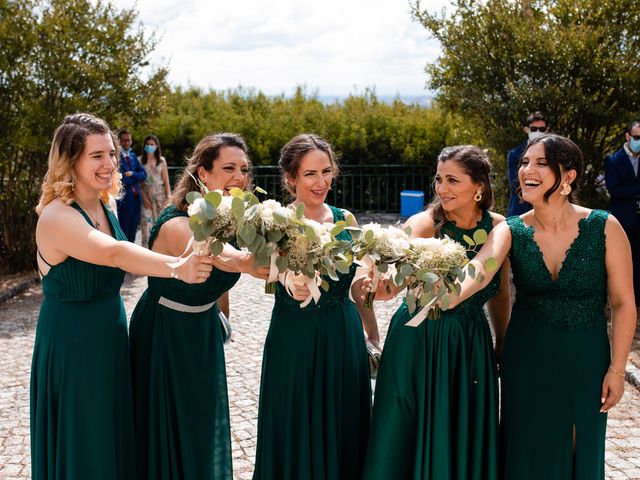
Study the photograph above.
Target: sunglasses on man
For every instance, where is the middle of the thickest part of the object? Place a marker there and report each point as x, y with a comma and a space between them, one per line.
537, 129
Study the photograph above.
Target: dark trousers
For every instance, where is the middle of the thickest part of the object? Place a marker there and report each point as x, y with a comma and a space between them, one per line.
129, 214
633, 232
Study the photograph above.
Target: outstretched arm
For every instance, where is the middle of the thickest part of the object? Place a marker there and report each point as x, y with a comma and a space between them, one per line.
497, 246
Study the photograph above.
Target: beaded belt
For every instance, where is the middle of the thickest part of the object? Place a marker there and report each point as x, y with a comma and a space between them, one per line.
181, 307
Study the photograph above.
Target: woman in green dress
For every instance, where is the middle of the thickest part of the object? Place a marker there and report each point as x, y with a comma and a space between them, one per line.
315, 392
435, 413
180, 384
81, 399
559, 375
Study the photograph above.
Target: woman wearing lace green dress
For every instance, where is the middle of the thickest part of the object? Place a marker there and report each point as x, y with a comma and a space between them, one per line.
435, 413
315, 392
180, 385
81, 401
559, 375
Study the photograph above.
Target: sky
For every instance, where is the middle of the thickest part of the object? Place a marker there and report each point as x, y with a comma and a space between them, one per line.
336, 47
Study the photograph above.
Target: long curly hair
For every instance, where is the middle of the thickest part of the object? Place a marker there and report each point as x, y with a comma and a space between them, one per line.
67, 146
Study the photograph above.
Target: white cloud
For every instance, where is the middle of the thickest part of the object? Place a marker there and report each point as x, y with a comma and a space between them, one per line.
276, 45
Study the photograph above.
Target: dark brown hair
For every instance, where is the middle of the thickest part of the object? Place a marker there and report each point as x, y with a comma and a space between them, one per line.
206, 152
292, 153
475, 163
559, 152
157, 153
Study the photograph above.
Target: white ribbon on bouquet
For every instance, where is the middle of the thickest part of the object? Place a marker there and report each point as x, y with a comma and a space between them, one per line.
290, 280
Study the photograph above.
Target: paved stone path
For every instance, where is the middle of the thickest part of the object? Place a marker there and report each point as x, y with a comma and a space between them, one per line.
250, 316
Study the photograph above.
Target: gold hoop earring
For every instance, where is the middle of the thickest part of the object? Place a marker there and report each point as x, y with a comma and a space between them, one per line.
566, 189
478, 196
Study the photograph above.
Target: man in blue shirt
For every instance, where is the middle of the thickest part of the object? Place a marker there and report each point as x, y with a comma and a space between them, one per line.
623, 183
534, 126
132, 174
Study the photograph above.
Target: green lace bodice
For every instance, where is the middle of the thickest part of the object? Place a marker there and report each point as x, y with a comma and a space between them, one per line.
477, 301
338, 290
178, 291
576, 299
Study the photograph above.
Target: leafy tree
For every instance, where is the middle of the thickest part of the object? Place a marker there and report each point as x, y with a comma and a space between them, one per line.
60, 57
576, 60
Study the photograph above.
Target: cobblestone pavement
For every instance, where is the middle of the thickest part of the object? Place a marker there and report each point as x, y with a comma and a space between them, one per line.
250, 316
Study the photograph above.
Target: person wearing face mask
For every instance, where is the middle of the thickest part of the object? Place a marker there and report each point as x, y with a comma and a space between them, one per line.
132, 174
181, 407
534, 126
623, 183
155, 189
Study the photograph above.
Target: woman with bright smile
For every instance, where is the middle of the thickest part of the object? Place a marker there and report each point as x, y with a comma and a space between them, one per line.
315, 392
560, 376
179, 376
81, 399
435, 415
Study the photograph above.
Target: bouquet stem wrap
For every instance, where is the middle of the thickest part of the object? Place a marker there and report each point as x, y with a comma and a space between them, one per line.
366, 267
289, 279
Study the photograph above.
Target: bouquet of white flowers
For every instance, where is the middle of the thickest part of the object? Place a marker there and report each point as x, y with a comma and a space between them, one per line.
214, 218
433, 270
293, 246
312, 252
376, 250
430, 270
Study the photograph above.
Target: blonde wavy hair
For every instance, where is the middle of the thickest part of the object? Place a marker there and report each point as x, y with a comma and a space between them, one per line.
68, 144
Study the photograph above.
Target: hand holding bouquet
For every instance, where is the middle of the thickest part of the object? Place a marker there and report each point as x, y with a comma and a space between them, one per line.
430, 269
376, 250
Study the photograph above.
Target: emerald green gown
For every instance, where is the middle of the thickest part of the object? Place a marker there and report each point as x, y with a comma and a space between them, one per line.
555, 356
180, 385
435, 413
315, 394
81, 400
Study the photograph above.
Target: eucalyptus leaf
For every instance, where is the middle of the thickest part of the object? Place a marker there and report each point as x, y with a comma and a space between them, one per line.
192, 197
491, 264
237, 207
275, 236
480, 236
236, 192
300, 211
214, 198
282, 263
248, 233
216, 247
325, 285
405, 269
260, 190
383, 267
310, 233
342, 267
468, 240
368, 236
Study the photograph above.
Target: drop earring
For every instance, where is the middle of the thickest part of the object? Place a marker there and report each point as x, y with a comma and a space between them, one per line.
566, 189
478, 196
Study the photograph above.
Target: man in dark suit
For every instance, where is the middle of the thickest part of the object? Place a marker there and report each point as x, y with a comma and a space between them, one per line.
132, 174
534, 126
623, 183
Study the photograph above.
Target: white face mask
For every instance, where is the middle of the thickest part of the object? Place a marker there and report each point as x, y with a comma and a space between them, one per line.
534, 135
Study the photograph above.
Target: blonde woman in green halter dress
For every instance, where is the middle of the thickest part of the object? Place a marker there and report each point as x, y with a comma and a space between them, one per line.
560, 376
81, 399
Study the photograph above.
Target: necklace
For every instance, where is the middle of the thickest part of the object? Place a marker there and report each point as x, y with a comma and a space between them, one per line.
93, 218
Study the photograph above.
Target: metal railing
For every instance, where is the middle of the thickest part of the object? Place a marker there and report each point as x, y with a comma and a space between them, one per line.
358, 188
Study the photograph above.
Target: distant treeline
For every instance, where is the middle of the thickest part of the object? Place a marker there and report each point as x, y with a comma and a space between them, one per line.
363, 130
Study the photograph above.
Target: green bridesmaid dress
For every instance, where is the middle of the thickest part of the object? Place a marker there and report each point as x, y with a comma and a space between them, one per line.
315, 394
555, 356
179, 378
435, 414
81, 400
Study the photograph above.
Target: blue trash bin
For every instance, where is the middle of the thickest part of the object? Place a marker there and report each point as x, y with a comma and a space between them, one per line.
411, 202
